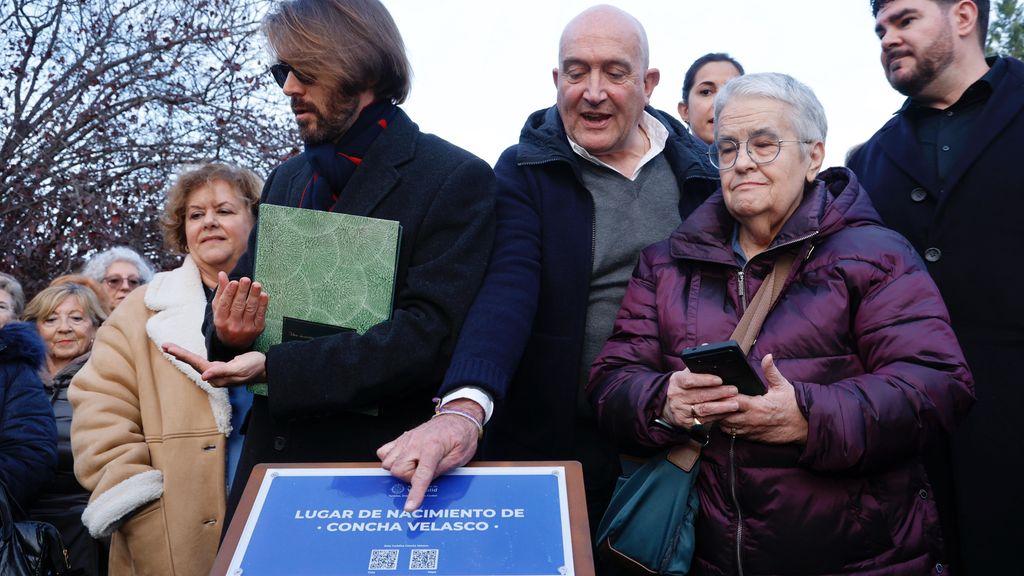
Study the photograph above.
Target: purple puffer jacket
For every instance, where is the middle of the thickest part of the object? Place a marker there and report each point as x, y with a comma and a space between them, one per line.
861, 332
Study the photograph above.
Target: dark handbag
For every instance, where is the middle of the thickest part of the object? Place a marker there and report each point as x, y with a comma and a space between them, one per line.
27, 547
648, 527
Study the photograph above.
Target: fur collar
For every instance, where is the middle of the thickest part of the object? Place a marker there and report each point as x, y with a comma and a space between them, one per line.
178, 299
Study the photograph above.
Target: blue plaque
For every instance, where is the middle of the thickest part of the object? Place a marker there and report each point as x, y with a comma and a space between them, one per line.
493, 520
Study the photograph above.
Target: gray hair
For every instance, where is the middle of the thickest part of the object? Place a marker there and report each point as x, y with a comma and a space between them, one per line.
808, 116
96, 267
11, 285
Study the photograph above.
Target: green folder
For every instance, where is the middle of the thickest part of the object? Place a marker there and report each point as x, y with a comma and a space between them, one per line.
325, 273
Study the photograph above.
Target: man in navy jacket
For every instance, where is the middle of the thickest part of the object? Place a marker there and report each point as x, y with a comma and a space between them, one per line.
941, 172
592, 181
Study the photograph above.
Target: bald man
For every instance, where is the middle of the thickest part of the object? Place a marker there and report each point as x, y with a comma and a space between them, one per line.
592, 181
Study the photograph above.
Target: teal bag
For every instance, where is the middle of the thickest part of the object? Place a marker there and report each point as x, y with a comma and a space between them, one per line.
648, 527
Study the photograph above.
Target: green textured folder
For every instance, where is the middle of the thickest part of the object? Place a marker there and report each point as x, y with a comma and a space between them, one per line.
321, 268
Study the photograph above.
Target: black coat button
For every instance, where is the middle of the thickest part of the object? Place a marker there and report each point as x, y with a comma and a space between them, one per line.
918, 194
280, 442
933, 254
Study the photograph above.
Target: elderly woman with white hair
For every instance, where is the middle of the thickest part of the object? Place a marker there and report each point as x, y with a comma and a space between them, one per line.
119, 270
822, 472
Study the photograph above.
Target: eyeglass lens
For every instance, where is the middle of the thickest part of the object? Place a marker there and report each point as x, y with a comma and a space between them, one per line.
117, 281
281, 70
761, 150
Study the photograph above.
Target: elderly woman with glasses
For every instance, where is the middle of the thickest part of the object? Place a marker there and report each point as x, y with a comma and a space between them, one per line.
822, 473
119, 270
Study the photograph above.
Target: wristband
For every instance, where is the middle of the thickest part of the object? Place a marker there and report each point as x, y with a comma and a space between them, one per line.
441, 411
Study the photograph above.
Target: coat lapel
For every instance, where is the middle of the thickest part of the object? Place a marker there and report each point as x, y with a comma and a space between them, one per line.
378, 174
900, 144
179, 303
298, 184
1006, 102
375, 178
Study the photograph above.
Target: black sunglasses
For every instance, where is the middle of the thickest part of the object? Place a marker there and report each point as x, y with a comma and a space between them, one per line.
281, 70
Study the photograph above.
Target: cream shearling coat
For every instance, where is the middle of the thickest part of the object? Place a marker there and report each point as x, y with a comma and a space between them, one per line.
148, 434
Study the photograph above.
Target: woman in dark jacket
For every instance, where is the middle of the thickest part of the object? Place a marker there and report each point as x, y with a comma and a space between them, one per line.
822, 474
28, 435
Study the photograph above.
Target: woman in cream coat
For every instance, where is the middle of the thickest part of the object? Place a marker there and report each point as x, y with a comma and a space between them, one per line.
151, 439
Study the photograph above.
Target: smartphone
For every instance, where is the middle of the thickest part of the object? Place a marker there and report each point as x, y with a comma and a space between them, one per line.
727, 361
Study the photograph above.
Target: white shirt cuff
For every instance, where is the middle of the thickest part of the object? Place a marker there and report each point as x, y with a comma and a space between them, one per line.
474, 393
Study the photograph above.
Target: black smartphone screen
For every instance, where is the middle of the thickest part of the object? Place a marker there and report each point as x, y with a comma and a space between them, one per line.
727, 361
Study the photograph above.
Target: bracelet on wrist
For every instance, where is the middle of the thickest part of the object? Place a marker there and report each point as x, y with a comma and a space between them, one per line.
441, 411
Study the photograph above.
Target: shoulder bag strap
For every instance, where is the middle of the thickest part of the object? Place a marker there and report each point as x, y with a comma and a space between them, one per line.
753, 317
685, 455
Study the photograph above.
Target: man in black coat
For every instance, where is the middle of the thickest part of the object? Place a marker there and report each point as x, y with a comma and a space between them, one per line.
339, 397
941, 172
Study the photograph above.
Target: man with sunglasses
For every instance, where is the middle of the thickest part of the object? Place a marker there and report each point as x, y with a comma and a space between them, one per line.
941, 172
339, 397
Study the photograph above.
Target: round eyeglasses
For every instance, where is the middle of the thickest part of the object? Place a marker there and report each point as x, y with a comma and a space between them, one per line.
761, 150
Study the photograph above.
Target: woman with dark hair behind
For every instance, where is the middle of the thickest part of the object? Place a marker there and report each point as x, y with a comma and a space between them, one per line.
66, 314
704, 78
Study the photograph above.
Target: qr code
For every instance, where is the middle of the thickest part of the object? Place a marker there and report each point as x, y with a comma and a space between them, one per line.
383, 560
423, 559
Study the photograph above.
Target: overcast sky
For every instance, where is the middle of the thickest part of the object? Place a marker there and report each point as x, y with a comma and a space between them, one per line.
482, 66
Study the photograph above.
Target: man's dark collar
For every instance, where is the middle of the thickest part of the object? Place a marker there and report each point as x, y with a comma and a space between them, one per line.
982, 88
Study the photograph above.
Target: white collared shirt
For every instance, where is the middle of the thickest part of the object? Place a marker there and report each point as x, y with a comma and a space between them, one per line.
656, 133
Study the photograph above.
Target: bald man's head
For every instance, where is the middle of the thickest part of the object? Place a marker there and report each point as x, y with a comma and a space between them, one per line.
603, 81
605, 20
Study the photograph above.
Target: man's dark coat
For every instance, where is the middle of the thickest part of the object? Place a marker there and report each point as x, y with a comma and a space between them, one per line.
969, 232
340, 397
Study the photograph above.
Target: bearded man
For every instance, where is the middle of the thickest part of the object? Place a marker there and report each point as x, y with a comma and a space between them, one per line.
940, 172
342, 63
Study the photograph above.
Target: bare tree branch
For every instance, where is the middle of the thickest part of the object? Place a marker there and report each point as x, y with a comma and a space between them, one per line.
103, 101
